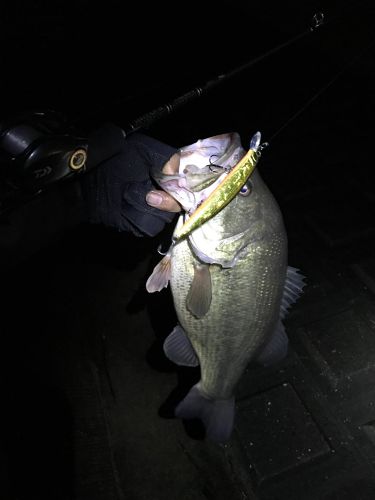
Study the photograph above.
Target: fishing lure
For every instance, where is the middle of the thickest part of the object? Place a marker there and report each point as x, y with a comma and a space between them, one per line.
224, 192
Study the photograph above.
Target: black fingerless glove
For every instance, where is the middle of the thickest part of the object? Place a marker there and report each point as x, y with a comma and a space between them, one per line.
118, 180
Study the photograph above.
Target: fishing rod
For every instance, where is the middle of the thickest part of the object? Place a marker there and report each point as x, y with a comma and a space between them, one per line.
318, 20
150, 117
41, 159
40, 151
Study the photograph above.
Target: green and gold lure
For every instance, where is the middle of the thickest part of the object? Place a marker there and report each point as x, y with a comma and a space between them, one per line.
224, 192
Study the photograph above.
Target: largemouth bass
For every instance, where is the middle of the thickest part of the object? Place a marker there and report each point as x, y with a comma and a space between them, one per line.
229, 277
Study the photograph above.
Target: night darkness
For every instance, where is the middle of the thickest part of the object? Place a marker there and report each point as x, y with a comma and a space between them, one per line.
87, 394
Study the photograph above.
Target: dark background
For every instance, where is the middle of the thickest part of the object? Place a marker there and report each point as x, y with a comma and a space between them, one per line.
115, 62
64, 320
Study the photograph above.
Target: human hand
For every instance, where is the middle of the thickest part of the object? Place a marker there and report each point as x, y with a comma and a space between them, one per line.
120, 192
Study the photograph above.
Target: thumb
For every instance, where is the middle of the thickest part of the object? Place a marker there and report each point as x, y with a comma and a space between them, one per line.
162, 201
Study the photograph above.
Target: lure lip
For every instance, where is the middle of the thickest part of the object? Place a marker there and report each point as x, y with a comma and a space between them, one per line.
255, 141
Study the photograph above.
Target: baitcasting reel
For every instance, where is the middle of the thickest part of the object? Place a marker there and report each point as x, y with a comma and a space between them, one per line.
36, 150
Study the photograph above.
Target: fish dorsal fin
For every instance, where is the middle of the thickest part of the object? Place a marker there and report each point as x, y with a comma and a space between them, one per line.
294, 283
160, 276
198, 300
178, 348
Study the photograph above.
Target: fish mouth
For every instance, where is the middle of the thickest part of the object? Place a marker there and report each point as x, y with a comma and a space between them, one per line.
191, 174
190, 187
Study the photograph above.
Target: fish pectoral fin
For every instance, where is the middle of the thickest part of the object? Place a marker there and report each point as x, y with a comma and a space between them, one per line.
160, 276
199, 297
178, 348
276, 348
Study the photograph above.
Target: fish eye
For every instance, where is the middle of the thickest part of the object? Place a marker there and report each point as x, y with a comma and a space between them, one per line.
246, 189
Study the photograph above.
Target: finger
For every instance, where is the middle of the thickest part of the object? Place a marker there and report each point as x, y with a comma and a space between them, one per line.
172, 165
162, 201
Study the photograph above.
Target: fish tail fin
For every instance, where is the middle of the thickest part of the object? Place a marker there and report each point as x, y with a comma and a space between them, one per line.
217, 415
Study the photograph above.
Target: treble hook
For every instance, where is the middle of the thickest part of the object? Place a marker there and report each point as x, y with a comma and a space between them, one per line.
261, 147
210, 165
160, 252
